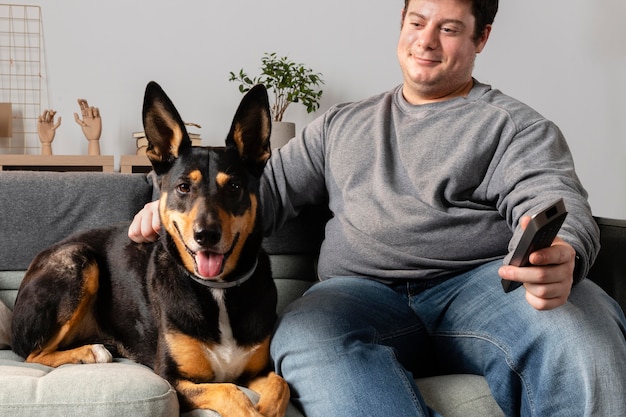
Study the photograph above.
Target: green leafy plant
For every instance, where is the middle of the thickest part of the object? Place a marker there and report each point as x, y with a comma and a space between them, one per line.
288, 81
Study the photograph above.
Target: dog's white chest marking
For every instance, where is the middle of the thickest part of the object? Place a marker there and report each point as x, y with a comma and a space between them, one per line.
228, 359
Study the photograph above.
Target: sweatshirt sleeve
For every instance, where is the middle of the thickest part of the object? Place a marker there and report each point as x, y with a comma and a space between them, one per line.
294, 177
535, 170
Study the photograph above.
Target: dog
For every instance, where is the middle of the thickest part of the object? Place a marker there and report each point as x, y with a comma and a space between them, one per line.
199, 305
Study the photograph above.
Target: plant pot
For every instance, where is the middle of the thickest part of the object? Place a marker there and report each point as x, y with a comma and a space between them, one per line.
282, 132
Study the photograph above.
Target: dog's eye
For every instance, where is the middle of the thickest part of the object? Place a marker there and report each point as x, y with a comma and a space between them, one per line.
233, 186
184, 188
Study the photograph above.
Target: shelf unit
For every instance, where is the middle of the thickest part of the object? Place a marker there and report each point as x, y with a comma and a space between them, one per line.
135, 164
61, 163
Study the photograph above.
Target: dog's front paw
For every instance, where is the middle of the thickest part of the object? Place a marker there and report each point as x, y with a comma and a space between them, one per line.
100, 354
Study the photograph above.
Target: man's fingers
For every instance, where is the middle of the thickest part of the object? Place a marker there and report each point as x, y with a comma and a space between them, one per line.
146, 224
557, 254
541, 304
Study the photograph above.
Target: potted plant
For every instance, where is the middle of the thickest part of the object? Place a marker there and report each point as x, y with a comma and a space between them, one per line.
287, 82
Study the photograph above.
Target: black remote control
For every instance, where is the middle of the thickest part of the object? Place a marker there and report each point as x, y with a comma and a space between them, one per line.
539, 234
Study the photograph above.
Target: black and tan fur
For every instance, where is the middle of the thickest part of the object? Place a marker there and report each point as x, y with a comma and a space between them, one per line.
97, 294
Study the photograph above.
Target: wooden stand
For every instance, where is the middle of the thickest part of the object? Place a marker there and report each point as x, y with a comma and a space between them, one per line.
56, 163
135, 164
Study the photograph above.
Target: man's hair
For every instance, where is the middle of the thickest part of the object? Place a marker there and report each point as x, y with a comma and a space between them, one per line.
484, 12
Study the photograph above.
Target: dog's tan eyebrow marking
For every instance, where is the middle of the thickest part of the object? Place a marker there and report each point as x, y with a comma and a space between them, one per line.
195, 176
222, 179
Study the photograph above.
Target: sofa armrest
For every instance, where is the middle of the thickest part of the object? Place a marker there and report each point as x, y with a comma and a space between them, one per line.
609, 268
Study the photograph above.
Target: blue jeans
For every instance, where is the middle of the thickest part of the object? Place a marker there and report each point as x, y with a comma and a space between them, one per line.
352, 346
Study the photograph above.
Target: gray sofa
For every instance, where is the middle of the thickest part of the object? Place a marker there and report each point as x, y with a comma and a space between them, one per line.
39, 208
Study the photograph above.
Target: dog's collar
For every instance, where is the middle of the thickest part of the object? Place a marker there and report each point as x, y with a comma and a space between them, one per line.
227, 284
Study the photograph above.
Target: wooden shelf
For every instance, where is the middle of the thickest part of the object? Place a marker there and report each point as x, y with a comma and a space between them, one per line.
135, 164
95, 163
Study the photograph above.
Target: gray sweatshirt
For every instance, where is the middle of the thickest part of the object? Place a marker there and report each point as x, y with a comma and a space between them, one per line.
428, 191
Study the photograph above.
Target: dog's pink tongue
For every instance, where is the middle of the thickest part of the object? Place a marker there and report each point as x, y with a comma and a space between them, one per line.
209, 264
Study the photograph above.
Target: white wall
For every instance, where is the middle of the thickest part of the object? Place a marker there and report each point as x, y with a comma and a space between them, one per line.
566, 58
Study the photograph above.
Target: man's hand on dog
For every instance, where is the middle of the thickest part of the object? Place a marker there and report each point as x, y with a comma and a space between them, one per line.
146, 224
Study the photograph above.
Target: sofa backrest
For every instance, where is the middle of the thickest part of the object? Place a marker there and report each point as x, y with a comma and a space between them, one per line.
298, 237
41, 208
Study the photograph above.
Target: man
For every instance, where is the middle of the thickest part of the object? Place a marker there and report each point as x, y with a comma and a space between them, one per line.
426, 184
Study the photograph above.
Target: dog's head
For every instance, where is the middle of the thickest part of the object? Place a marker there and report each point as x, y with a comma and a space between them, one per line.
209, 204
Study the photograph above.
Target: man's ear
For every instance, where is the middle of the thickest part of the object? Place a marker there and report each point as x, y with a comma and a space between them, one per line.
251, 129
482, 40
164, 128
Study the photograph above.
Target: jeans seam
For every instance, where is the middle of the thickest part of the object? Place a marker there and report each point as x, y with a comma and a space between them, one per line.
401, 373
398, 368
399, 332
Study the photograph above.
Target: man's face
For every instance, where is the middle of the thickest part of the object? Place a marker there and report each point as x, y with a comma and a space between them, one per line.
437, 49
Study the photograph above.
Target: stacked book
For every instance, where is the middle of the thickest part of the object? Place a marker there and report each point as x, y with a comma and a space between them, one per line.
142, 142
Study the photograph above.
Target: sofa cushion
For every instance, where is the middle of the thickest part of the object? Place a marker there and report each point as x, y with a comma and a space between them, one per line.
41, 208
9, 284
459, 396
121, 388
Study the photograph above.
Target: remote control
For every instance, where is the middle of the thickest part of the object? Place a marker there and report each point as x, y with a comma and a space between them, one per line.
539, 234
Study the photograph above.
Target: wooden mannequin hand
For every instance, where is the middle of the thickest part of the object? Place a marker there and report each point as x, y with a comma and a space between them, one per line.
91, 123
46, 127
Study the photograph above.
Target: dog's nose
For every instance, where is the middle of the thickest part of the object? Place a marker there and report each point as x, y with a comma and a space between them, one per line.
209, 235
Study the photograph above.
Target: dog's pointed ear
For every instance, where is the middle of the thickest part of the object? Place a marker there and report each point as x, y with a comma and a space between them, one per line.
164, 128
251, 129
